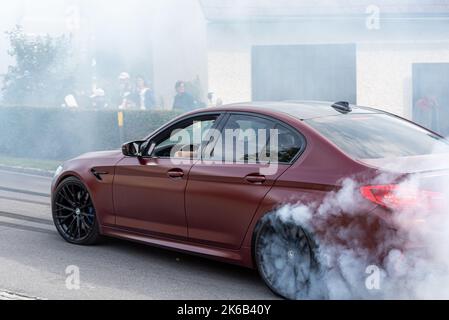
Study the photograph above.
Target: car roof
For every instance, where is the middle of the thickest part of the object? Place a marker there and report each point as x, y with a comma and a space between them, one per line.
302, 110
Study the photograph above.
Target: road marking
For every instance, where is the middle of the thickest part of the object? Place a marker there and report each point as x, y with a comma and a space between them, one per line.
24, 174
26, 228
6, 295
26, 218
25, 201
32, 193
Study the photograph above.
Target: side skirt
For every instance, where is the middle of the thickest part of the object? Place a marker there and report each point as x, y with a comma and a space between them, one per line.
230, 256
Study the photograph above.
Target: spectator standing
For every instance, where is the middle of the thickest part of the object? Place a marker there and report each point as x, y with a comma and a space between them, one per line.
98, 99
213, 101
184, 101
427, 112
146, 95
126, 91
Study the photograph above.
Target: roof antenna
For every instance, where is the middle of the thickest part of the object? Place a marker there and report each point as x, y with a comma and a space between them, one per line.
342, 106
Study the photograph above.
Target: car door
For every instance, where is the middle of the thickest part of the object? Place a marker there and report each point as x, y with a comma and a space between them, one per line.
226, 187
149, 190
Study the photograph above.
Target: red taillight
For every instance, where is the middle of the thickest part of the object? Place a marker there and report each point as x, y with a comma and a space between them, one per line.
395, 197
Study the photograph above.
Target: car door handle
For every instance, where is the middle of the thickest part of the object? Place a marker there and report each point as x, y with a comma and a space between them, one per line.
175, 174
256, 179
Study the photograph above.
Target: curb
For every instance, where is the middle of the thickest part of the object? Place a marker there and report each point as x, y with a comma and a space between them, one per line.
8, 295
33, 171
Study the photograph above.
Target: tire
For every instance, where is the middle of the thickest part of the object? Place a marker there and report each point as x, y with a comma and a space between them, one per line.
74, 214
284, 256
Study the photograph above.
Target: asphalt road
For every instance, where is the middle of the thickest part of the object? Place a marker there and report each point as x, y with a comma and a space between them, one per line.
34, 259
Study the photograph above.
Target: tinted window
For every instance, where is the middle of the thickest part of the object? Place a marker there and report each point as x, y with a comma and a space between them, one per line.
184, 139
289, 144
244, 139
247, 139
377, 136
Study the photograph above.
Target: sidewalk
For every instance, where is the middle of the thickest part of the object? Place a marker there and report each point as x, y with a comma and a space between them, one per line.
44, 168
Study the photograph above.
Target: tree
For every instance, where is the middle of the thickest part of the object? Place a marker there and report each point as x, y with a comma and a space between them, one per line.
43, 73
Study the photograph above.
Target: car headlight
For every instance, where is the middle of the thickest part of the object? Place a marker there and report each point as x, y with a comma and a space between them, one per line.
58, 171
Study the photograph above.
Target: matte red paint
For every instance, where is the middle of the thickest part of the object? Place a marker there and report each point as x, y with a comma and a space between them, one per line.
210, 209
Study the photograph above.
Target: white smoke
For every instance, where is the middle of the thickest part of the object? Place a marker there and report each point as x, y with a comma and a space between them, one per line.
404, 258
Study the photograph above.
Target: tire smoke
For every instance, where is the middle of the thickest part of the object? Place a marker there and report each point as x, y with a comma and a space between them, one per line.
361, 256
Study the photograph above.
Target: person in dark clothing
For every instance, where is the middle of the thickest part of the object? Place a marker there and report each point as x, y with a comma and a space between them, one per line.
146, 100
183, 100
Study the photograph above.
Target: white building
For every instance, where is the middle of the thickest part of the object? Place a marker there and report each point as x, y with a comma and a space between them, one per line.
375, 47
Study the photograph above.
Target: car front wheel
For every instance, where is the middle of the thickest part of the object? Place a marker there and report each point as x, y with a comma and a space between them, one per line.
74, 214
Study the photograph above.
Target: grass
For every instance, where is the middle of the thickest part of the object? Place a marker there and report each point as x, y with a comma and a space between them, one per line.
47, 165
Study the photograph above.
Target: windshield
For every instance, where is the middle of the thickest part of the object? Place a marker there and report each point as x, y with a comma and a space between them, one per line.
374, 136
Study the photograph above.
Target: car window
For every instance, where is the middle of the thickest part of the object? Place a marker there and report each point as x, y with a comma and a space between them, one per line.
289, 144
185, 139
243, 139
375, 136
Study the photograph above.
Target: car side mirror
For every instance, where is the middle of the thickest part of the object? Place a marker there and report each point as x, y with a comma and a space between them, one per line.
133, 149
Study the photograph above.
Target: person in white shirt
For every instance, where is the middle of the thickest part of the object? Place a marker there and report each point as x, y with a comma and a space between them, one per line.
146, 95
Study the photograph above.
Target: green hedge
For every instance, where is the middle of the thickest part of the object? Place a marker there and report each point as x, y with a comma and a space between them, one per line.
60, 134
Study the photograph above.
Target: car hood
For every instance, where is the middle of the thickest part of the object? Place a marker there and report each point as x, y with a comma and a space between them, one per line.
113, 154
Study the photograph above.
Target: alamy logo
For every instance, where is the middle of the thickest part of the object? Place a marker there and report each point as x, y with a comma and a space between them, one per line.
231, 146
372, 281
72, 281
373, 19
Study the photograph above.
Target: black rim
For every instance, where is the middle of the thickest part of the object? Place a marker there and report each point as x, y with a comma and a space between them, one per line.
285, 259
74, 212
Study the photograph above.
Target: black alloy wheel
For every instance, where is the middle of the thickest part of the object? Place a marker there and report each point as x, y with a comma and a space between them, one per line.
284, 256
74, 214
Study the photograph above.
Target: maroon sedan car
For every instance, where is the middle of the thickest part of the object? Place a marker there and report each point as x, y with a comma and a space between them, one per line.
202, 200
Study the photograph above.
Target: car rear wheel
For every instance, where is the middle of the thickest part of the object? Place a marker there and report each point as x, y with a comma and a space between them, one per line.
284, 256
74, 214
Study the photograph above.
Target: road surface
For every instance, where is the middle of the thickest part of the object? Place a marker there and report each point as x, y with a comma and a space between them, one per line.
34, 259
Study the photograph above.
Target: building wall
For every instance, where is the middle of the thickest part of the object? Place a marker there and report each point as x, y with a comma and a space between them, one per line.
384, 72
230, 75
384, 56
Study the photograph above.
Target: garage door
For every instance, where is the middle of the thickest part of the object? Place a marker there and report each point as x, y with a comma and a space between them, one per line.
304, 72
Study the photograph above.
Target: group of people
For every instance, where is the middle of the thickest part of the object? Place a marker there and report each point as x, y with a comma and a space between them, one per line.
138, 96
133, 94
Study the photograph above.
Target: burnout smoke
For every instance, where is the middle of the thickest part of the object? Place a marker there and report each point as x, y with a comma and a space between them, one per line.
408, 254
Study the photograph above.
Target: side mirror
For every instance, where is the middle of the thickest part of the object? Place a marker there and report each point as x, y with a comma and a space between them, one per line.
132, 149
